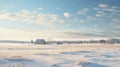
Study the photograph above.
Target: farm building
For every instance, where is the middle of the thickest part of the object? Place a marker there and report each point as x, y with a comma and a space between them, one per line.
102, 41
112, 40
40, 41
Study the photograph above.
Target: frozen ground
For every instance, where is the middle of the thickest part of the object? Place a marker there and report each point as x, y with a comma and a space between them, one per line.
83, 55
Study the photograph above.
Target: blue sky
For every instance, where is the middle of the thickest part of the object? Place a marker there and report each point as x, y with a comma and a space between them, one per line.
71, 19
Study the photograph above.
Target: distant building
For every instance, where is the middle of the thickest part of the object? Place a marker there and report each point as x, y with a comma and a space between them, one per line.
40, 41
112, 40
102, 41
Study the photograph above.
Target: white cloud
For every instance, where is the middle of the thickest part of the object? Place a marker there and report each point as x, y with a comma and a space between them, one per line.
115, 7
58, 8
40, 8
67, 15
100, 14
95, 24
114, 28
104, 10
76, 19
103, 6
83, 11
9, 16
115, 22
112, 10
34, 17
82, 21
48, 19
91, 18
62, 21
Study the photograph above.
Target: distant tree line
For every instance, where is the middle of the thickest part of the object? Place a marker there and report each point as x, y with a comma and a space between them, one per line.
42, 41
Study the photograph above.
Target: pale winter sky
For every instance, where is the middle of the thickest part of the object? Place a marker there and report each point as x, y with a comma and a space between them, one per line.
64, 19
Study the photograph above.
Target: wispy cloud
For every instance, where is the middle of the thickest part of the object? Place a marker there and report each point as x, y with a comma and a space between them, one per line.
111, 13
100, 13
40, 8
34, 17
115, 24
103, 6
58, 8
83, 11
106, 10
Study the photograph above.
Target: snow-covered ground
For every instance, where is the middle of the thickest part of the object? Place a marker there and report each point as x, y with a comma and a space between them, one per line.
82, 55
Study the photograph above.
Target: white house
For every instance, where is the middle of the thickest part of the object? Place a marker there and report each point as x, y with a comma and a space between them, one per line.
40, 41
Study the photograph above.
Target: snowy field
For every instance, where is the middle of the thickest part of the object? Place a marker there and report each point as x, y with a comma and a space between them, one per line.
82, 55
